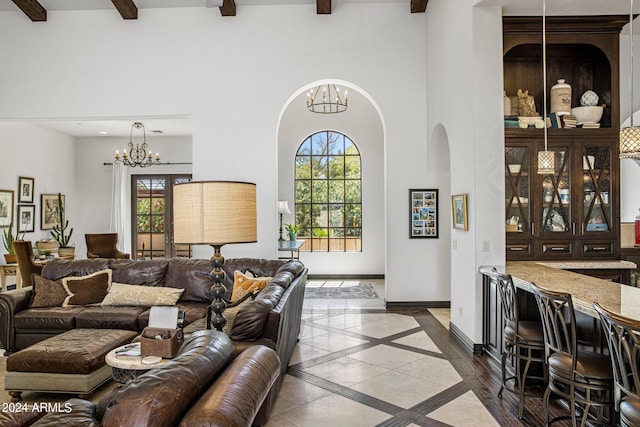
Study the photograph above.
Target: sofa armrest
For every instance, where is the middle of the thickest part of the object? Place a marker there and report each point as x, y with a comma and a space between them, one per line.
73, 412
236, 395
12, 302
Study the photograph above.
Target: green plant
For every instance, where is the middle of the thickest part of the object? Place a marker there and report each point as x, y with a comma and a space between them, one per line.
292, 228
8, 238
59, 231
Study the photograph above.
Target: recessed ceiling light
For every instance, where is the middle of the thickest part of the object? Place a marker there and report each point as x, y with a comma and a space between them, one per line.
103, 132
157, 131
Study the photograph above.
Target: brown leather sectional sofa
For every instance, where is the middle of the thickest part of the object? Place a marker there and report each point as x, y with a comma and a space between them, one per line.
272, 319
204, 385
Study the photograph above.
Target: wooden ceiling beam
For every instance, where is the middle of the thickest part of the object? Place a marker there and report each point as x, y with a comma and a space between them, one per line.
127, 8
419, 6
323, 7
228, 8
32, 9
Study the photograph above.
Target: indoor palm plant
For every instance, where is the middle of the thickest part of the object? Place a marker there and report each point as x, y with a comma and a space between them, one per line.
7, 239
60, 233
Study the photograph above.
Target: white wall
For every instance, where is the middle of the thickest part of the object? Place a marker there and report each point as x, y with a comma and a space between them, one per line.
362, 124
38, 153
234, 75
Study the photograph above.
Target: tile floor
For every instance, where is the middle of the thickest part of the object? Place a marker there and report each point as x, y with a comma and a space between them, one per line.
357, 365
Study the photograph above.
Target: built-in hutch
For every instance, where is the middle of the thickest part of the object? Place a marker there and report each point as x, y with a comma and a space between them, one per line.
572, 214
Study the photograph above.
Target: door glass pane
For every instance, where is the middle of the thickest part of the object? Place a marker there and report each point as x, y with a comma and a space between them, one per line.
556, 194
596, 164
517, 189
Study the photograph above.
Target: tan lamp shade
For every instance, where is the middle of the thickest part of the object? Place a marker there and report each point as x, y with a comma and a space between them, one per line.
630, 143
214, 212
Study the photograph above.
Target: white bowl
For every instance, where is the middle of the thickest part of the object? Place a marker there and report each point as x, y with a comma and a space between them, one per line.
515, 168
588, 113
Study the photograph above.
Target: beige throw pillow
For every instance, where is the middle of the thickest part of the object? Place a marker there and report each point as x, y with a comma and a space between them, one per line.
140, 295
243, 284
89, 289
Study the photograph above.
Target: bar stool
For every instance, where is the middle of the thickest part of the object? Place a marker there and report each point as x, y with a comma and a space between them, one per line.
523, 343
623, 338
584, 378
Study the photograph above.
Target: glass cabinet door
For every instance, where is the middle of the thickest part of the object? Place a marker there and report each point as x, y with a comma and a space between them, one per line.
556, 195
596, 164
517, 189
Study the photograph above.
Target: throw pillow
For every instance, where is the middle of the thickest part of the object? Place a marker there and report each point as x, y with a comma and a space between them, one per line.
47, 293
243, 284
231, 311
89, 289
141, 295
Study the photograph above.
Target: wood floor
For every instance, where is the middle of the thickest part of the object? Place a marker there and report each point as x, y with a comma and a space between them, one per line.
483, 378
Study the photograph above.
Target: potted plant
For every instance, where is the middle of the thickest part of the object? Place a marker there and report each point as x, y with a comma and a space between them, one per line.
292, 229
60, 234
7, 240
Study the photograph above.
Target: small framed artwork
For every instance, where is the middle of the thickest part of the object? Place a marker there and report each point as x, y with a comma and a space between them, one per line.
423, 205
6, 208
26, 218
49, 210
25, 189
459, 211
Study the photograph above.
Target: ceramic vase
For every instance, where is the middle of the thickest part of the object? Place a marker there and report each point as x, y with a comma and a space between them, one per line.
561, 98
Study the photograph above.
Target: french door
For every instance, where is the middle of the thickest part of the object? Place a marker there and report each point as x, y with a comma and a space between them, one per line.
152, 217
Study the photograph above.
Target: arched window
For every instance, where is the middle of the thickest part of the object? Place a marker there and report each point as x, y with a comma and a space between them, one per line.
328, 193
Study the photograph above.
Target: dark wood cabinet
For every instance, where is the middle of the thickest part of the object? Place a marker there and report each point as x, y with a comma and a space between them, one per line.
574, 212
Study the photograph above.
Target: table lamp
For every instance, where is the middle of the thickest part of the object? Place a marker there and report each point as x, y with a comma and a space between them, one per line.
215, 213
283, 207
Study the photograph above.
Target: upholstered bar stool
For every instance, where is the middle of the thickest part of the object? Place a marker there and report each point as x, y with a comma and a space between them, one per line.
623, 338
583, 378
523, 343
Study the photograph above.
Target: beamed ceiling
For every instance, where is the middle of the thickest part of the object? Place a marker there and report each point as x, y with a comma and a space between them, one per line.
128, 9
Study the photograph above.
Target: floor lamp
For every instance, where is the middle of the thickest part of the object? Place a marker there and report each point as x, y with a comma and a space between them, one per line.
283, 208
215, 213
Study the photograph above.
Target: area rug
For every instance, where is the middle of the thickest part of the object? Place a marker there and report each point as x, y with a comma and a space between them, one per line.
343, 291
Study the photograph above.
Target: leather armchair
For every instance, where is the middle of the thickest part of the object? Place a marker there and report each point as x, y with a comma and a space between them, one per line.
103, 246
26, 264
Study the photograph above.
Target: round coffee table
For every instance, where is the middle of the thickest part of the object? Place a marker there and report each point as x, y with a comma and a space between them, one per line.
128, 366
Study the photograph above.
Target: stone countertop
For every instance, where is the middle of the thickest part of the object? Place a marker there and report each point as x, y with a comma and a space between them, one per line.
585, 290
590, 265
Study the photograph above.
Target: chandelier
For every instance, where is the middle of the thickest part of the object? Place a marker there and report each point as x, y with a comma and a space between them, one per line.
138, 155
630, 136
326, 99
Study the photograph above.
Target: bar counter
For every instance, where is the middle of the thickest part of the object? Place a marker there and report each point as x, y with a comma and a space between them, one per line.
584, 290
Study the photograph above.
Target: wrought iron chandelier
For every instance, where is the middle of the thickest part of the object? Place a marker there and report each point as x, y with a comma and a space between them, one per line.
138, 155
630, 136
327, 99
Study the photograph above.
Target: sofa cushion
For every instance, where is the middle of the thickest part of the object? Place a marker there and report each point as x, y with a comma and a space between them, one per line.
110, 317
47, 319
161, 397
150, 272
59, 268
89, 289
192, 275
244, 284
47, 293
138, 295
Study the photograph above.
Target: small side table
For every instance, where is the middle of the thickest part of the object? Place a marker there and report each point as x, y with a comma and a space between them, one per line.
9, 270
125, 368
292, 246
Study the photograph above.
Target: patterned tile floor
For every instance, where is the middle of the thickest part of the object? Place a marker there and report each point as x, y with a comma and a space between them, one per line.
357, 365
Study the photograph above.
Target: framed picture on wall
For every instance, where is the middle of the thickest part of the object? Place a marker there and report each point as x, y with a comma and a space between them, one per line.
49, 210
26, 218
25, 189
423, 221
6, 208
459, 211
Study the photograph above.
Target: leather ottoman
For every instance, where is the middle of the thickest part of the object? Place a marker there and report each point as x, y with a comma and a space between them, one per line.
72, 362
